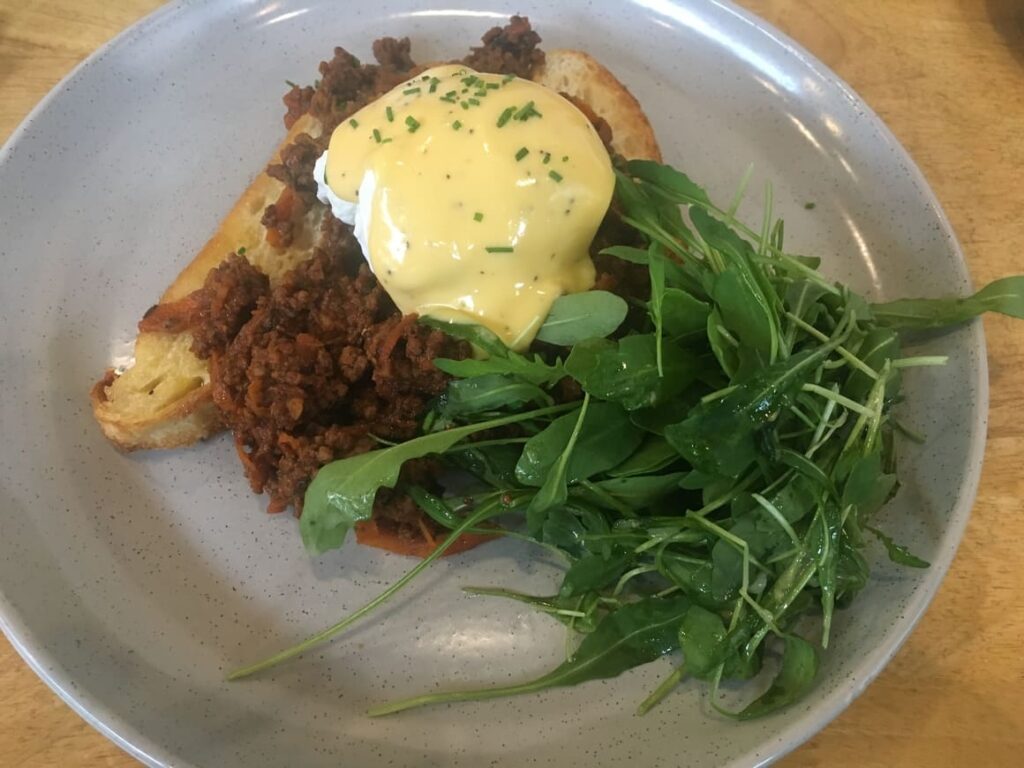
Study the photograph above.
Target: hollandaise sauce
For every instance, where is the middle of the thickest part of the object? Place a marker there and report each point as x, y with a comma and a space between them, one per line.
475, 197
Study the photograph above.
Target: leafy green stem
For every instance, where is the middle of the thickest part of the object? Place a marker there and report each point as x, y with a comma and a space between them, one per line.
481, 514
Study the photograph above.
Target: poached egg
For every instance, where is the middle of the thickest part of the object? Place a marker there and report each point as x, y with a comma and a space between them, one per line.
474, 197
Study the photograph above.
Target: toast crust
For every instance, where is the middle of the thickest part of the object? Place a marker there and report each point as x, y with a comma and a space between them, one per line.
164, 399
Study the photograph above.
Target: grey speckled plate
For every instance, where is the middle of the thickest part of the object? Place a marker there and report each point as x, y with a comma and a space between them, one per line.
130, 583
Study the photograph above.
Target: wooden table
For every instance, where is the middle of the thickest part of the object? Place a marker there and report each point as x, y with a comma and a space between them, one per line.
948, 78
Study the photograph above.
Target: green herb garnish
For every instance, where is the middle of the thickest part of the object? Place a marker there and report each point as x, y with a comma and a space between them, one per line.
457, 125
527, 111
555, 175
390, 114
505, 116
412, 123
715, 481
354, 123
410, 91
478, 216
523, 152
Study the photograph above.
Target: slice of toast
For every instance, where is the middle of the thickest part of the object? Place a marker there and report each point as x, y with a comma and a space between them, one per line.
164, 399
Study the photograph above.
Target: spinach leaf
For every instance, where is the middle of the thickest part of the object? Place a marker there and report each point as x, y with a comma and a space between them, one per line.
1005, 296
627, 371
577, 317
897, 552
635, 634
342, 492
794, 680
604, 438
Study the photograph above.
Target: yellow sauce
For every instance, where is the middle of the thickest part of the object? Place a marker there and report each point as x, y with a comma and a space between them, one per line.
479, 196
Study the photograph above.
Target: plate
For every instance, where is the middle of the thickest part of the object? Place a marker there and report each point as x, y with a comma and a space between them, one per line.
131, 583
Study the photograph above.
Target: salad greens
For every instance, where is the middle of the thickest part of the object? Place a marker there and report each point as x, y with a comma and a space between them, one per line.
711, 482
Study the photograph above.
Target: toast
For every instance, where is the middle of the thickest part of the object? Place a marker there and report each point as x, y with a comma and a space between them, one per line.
164, 399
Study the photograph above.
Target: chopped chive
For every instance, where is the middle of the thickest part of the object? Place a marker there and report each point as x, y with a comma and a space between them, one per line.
491, 86
481, 93
425, 77
565, 158
523, 152
507, 79
527, 111
476, 217
464, 104
434, 82
290, 83
499, 249
547, 158
474, 102
354, 123
413, 123
241, 251
555, 175
408, 91
390, 113
376, 135
506, 116
385, 141
457, 124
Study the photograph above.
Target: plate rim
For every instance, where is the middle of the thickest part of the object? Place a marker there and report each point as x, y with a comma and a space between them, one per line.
804, 727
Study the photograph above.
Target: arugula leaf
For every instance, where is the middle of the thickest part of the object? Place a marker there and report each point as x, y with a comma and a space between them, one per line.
704, 642
493, 464
682, 314
653, 455
724, 348
794, 680
577, 317
1005, 296
898, 553
480, 337
594, 572
534, 371
669, 179
342, 492
638, 491
627, 371
739, 291
604, 439
553, 490
500, 360
635, 634
656, 269
490, 392
719, 437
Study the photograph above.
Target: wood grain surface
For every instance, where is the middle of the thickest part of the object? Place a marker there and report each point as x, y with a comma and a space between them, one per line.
948, 78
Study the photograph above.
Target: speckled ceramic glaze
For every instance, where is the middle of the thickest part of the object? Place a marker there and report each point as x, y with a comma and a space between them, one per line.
131, 583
